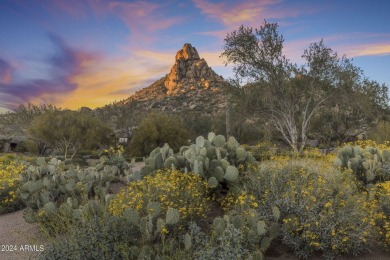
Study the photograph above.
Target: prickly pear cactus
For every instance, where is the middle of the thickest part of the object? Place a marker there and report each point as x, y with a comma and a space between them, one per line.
213, 158
45, 184
369, 165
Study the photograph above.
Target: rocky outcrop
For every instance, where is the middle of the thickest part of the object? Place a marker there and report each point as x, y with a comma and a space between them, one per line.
190, 85
190, 72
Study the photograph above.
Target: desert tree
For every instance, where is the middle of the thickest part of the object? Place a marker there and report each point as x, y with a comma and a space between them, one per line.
18, 121
155, 130
290, 95
69, 131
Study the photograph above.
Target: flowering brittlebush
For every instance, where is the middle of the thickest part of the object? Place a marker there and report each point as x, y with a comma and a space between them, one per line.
186, 192
322, 208
369, 143
241, 201
9, 183
383, 217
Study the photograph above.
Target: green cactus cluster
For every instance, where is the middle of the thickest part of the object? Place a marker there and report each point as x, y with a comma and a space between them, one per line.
369, 165
213, 158
45, 184
152, 225
255, 234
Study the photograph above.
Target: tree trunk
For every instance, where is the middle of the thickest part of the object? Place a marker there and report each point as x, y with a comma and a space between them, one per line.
228, 114
66, 150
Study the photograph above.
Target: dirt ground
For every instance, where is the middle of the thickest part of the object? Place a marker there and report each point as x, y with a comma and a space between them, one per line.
19, 240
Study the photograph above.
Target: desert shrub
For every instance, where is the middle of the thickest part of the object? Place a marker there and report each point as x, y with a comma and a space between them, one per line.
228, 244
321, 207
10, 170
369, 143
381, 132
68, 131
263, 150
103, 237
61, 220
155, 130
197, 122
383, 195
188, 193
115, 157
242, 201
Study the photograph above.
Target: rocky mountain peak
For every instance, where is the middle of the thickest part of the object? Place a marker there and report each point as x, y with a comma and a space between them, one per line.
189, 72
187, 53
190, 85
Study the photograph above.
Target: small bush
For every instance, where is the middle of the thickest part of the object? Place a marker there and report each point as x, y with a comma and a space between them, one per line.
10, 171
169, 189
383, 218
157, 129
197, 122
115, 157
104, 237
321, 207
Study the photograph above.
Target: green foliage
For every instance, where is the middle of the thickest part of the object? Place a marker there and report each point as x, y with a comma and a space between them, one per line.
18, 121
172, 217
48, 183
69, 131
155, 130
10, 168
198, 123
210, 158
321, 208
381, 132
103, 237
369, 165
328, 91
174, 192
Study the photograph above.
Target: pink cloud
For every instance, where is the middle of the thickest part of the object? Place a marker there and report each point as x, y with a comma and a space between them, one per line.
143, 19
65, 64
6, 71
250, 12
352, 45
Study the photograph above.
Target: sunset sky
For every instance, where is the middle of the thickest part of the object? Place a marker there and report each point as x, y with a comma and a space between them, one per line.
93, 52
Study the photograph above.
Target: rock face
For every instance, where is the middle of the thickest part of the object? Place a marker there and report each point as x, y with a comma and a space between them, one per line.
190, 85
189, 72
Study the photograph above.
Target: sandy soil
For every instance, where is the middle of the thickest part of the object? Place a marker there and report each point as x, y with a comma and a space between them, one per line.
19, 239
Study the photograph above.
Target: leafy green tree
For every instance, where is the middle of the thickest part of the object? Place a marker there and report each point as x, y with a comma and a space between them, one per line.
155, 130
69, 131
359, 104
18, 121
381, 132
292, 96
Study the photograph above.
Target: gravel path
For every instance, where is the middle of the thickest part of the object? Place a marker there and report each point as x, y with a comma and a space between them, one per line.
19, 239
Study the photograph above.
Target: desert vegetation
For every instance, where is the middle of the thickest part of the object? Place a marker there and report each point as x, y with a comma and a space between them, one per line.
236, 185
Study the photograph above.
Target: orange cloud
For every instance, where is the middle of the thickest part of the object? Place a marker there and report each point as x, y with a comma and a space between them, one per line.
250, 12
373, 49
229, 14
110, 80
101, 83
